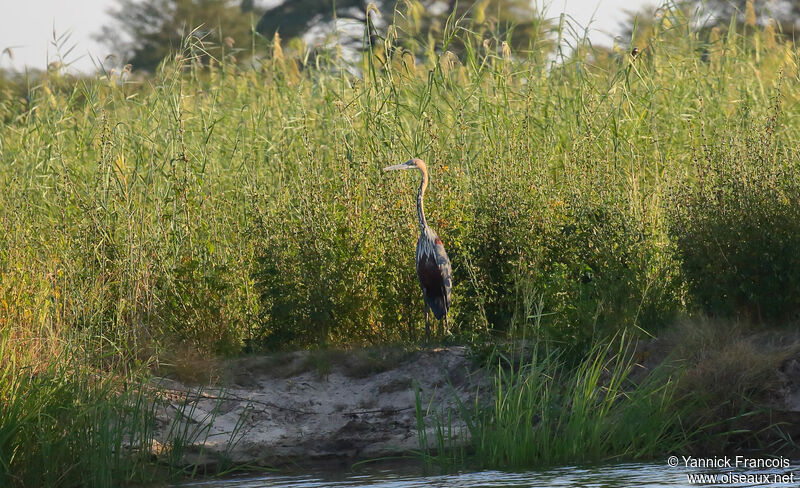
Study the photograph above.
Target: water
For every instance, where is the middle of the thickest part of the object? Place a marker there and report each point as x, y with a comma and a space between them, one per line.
646, 475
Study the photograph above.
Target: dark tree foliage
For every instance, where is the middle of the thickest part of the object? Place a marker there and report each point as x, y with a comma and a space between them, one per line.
716, 14
144, 32
293, 18
423, 19
785, 12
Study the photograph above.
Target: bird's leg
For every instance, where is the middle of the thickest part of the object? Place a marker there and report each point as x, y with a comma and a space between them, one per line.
427, 324
446, 326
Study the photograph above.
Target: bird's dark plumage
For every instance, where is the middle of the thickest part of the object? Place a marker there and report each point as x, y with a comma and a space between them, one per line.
435, 275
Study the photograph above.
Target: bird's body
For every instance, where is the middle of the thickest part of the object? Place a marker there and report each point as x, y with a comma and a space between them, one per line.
434, 273
433, 266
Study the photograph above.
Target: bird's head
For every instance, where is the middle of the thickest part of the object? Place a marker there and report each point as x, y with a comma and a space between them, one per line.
414, 163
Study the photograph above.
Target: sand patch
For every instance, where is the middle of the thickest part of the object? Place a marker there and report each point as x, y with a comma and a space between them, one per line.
307, 407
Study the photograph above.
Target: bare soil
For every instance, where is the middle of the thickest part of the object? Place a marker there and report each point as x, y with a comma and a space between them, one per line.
315, 407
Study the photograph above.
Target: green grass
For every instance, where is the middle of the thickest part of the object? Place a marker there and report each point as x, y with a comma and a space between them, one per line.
66, 424
227, 207
544, 411
222, 206
62, 424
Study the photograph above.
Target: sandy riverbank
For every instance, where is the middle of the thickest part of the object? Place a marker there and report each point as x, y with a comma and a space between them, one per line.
300, 408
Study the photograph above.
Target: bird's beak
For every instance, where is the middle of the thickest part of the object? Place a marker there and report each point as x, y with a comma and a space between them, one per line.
397, 166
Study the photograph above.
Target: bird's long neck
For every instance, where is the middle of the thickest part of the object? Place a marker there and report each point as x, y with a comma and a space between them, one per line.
422, 185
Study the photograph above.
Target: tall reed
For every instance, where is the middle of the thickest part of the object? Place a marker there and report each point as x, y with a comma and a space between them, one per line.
214, 205
542, 410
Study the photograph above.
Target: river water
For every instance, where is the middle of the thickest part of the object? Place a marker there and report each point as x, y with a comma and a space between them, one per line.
647, 475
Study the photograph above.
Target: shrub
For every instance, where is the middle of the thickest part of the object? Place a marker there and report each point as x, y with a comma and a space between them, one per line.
737, 228
194, 306
575, 263
603, 269
333, 272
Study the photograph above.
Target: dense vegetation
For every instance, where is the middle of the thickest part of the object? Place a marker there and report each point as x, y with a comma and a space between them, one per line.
218, 208
541, 411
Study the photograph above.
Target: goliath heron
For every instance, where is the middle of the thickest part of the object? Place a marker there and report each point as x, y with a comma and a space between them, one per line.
433, 265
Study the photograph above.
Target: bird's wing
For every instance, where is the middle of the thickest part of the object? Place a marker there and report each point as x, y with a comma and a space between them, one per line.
445, 270
428, 271
435, 273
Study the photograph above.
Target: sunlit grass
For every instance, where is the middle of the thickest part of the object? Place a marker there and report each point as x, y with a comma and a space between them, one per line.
545, 413
225, 208
63, 424
222, 205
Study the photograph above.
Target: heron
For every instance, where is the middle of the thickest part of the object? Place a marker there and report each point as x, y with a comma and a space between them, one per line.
433, 266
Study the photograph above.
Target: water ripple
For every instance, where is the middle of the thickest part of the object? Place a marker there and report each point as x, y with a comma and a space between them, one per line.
645, 475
